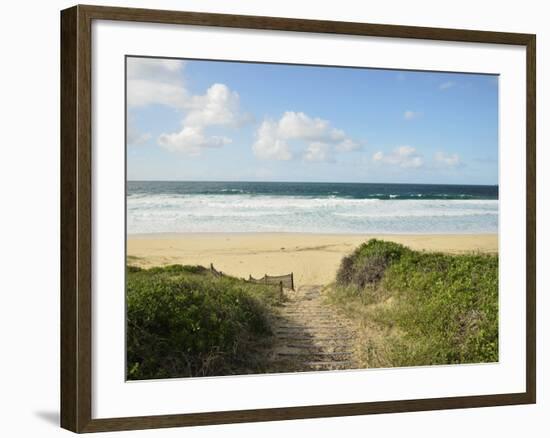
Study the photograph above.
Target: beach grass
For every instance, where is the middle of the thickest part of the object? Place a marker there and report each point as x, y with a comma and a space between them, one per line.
419, 308
184, 321
411, 308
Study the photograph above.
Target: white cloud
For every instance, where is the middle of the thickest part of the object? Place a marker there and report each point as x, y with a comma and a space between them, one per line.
218, 106
317, 151
402, 156
446, 85
160, 81
410, 115
268, 146
155, 81
299, 125
347, 145
191, 140
279, 140
447, 160
378, 156
154, 68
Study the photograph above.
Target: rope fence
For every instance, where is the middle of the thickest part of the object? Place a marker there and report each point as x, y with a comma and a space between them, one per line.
283, 281
215, 272
287, 280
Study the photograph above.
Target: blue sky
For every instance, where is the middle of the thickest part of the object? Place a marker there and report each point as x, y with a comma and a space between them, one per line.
208, 120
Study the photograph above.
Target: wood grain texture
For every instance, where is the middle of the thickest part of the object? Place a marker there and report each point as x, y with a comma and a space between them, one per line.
296, 413
84, 216
69, 329
301, 25
76, 217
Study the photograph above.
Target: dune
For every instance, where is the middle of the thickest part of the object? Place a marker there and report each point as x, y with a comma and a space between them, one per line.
313, 258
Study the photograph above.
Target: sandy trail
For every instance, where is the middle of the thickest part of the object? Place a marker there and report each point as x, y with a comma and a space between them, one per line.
311, 335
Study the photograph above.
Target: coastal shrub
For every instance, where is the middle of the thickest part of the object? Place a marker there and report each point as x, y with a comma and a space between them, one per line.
367, 264
423, 308
183, 321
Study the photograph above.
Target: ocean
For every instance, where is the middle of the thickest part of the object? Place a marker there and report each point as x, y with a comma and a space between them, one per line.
183, 207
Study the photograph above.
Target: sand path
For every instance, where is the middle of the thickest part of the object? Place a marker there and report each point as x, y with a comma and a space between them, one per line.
311, 334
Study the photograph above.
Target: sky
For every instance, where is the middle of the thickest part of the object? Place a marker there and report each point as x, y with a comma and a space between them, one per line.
200, 120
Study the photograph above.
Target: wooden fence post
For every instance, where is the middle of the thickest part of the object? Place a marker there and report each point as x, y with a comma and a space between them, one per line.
292, 280
281, 289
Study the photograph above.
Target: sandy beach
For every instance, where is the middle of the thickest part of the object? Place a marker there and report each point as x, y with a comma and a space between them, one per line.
314, 258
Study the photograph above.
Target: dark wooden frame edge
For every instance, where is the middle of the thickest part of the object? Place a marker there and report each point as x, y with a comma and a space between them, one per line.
76, 239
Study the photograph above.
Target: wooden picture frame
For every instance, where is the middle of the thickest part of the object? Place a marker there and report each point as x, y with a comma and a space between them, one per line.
76, 217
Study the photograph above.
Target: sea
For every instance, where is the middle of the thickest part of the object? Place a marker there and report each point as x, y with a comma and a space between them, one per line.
304, 207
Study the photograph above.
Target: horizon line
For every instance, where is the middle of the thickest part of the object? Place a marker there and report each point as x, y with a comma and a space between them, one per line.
306, 182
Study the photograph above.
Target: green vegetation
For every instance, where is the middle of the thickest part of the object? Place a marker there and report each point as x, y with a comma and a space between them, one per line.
419, 308
184, 321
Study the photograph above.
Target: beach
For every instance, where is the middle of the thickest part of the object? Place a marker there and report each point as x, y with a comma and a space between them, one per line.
274, 228
312, 257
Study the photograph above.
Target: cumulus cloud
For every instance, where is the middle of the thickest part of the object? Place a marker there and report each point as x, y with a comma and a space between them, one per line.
218, 106
402, 156
446, 85
160, 81
282, 139
154, 68
347, 145
191, 140
268, 145
410, 115
155, 81
447, 160
317, 151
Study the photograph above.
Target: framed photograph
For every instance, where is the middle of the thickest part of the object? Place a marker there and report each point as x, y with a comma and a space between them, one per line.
270, 218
